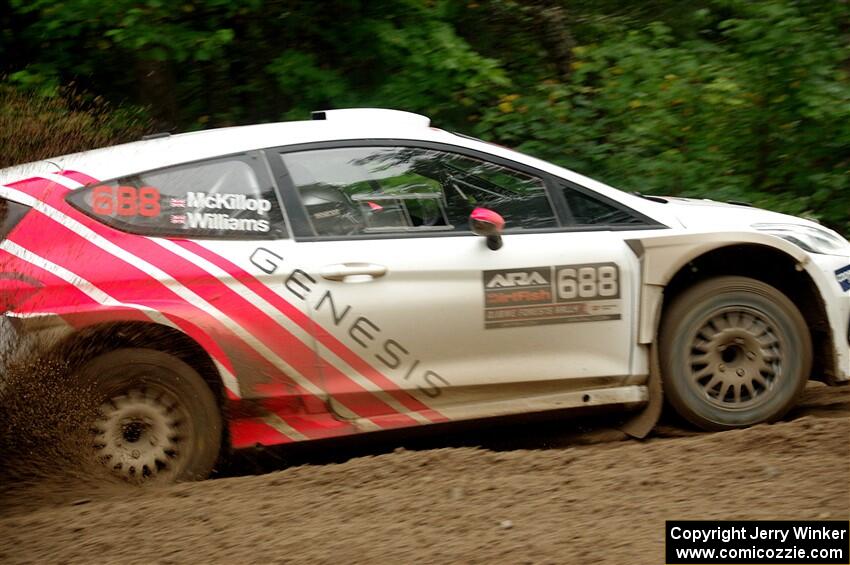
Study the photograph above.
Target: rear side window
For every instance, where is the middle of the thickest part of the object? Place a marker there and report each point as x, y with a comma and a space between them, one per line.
589, 211
225, 198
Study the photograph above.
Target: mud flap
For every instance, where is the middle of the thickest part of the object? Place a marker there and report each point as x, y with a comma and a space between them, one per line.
639, 425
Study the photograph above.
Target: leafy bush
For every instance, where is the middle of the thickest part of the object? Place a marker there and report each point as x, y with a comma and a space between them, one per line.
762, 114
34, 127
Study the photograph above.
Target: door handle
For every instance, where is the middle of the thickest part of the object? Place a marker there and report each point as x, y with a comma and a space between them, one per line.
353, 272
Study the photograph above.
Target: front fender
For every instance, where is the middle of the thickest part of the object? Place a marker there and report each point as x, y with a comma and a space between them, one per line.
663, 256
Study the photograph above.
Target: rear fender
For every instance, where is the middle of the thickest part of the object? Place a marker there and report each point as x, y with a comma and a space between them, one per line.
42, 331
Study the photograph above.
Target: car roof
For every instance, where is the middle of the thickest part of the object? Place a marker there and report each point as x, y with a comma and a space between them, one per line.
167, 150
328, 125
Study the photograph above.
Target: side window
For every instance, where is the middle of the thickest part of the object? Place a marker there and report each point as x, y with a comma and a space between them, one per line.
222, 198
589, 211
363, 190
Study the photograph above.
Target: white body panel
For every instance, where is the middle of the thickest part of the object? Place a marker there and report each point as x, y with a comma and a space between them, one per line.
431, 304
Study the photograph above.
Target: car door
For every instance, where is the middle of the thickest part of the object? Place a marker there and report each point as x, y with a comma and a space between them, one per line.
404, 295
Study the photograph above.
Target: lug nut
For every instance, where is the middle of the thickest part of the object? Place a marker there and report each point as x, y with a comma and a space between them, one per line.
136, 454
740, 372
722, 367
751, 355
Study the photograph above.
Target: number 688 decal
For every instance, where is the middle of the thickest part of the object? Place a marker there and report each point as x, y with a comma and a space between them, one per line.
594, 281
125, 201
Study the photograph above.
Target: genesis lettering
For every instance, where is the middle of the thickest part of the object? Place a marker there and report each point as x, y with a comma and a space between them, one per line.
366, 333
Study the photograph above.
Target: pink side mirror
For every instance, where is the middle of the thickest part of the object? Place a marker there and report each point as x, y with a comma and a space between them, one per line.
489, 224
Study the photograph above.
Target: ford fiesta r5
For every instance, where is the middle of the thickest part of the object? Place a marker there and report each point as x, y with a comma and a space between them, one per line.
363, 271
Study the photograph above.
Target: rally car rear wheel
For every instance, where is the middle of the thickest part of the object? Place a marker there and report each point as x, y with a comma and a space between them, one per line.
734, 352
157, 421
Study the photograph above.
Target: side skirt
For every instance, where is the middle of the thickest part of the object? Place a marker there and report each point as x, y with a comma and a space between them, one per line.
273, 429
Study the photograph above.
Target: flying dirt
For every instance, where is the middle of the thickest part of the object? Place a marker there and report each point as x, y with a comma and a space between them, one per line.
514, 492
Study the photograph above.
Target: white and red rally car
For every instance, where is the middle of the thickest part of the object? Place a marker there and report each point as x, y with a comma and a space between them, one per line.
363, 271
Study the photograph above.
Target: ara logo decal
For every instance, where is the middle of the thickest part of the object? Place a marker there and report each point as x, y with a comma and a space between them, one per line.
513, 279
552, 295
842, 275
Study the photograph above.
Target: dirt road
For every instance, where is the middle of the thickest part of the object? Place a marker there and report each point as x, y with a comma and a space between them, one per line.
511, 500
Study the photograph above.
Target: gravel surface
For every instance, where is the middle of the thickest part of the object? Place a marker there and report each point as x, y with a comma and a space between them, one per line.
525, 495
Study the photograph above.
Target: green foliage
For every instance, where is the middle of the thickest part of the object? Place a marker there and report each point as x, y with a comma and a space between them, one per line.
34, 127
760, 114
153, 29
728, 99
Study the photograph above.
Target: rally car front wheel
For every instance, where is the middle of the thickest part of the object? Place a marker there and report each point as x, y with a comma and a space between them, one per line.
157, 420
734, 352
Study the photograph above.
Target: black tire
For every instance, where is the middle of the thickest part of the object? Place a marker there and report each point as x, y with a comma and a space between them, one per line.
734, 352
157, 421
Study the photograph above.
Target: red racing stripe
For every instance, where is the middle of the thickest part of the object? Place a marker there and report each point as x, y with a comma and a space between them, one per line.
250, 432
66, 300
251, 318
356, 362
105, 272
230, 303
62, 296
76, 176
293, 313
248, 315
83, 311
60, 293
328, 340
84, 253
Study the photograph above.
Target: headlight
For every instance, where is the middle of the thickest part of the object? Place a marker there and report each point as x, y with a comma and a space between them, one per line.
808, 238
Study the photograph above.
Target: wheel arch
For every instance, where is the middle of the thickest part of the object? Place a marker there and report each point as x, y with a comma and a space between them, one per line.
90, 341
671, 265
